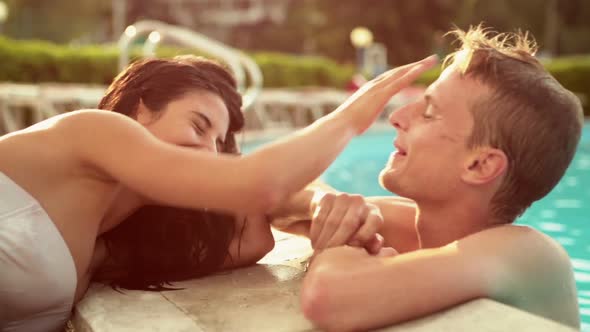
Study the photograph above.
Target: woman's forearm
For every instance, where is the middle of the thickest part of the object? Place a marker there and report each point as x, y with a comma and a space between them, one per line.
294, 216
293, 162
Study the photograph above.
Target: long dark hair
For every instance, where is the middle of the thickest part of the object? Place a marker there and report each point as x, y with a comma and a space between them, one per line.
160, 244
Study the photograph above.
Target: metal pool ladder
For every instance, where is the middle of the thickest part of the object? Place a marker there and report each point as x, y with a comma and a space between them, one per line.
247, 73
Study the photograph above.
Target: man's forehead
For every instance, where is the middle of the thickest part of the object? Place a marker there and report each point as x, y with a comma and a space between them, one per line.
439, 83
449, 72
453, 95
453, 84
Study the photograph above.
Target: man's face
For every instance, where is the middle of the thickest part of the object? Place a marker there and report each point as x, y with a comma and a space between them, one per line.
431, 140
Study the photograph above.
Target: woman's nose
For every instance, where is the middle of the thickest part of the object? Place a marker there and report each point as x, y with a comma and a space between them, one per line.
208, 144
212, 145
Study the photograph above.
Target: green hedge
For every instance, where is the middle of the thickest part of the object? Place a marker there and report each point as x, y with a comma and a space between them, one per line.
572, 72
39, 61
280, 70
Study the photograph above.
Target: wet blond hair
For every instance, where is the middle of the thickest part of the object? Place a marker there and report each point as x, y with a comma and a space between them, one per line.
528, 115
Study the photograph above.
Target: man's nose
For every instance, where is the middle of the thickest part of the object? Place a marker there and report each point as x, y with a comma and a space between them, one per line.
397, 119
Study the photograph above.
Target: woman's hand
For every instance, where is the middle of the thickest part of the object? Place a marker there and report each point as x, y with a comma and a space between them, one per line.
365, 105
341, 218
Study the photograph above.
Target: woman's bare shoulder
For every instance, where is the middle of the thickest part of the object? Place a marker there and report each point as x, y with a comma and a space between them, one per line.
77, 122
91, 119
85, 128
68, 129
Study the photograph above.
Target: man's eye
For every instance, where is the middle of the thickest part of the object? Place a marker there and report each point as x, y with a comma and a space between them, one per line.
428, 112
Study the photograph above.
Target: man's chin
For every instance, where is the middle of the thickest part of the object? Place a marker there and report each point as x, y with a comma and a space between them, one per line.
388, 181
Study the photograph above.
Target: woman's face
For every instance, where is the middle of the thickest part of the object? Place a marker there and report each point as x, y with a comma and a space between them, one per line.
197, 120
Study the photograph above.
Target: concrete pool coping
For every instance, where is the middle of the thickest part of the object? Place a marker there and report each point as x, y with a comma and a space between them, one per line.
265, 297
381, 126
250, 136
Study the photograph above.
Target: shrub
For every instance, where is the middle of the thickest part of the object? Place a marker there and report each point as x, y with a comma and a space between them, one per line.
39, 61
572, 72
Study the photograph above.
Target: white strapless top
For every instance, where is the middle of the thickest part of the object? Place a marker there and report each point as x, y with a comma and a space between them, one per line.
37, 272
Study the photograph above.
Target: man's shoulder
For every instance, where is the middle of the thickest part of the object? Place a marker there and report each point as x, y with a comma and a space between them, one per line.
517, 243
523, 237
529, 270
522, 257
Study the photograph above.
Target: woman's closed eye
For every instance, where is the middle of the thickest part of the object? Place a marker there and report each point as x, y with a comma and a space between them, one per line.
198, 128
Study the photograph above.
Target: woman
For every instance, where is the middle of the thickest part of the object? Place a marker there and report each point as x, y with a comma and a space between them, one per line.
75, 176
159, 244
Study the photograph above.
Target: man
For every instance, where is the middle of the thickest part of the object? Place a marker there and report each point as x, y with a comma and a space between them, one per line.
492, 135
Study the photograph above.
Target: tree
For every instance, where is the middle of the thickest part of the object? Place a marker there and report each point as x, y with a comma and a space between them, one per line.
561, 27
323, 27
56, 20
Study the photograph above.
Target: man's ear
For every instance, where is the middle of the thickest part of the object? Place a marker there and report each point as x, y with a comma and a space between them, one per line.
484, 165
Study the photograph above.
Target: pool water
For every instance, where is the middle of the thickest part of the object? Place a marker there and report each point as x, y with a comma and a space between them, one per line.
564, 214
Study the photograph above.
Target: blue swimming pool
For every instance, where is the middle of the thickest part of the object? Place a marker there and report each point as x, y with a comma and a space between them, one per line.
564, 214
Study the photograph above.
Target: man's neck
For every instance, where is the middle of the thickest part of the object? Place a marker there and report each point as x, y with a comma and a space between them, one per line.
438, 224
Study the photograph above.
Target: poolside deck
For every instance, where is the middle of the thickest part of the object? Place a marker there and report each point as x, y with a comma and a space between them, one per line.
24, 104
265, 297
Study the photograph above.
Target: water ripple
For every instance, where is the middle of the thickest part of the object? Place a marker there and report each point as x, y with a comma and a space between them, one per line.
565, 241
583, 164
568, 203
581, 264
551, 226
571, 181
582, 277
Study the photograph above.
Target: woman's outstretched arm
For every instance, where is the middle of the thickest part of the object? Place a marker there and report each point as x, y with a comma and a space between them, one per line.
124, 150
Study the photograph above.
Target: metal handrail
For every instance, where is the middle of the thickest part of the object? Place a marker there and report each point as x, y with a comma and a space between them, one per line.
242, 66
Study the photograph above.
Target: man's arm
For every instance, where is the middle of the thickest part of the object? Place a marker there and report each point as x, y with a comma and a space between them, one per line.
394, 289
398, 215
329, 218
399, 222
